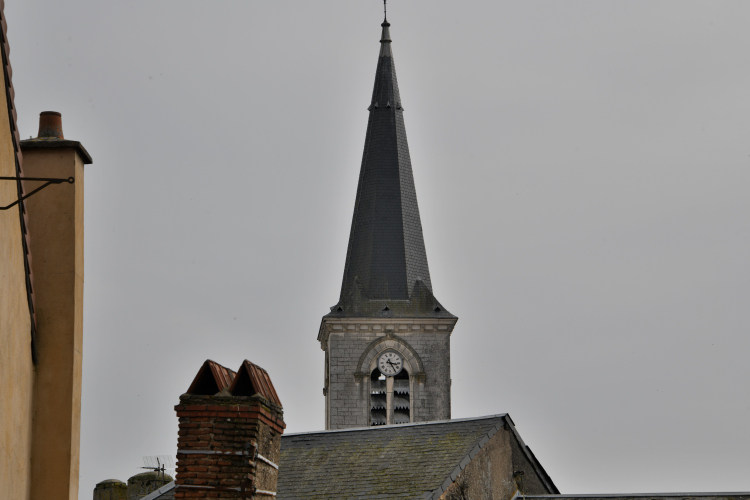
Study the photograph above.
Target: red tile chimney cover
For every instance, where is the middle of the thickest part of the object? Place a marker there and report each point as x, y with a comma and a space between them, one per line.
211, 379
50, 124
252, 379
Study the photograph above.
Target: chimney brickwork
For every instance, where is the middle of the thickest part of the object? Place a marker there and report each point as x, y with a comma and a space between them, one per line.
228, 445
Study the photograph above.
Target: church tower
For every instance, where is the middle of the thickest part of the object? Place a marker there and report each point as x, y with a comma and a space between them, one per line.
387, 340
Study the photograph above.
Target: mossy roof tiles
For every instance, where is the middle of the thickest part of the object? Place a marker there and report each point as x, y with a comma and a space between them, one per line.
395, 462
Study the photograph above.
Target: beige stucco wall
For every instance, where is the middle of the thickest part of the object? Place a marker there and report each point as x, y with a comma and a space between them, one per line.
56, 228
16, 367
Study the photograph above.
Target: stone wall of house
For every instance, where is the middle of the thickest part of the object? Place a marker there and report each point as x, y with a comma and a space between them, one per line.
499, 470
489, 476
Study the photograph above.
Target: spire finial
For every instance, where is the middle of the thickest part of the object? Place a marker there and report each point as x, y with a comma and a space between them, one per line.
385, 10
385, 38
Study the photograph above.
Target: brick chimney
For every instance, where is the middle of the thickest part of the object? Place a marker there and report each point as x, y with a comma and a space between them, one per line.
229, 438
55, 225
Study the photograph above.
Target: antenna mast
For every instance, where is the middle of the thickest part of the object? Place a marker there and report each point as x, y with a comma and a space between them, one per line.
159, 464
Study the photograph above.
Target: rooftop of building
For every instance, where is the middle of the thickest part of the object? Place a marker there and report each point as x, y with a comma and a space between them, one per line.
417, 460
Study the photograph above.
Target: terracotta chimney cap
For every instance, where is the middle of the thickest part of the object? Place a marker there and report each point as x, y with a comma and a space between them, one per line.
50, 125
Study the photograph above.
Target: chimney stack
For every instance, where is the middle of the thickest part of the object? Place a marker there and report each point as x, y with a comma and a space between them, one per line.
50, 125
55, 226
230, 427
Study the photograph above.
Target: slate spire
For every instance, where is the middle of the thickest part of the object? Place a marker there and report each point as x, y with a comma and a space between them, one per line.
386, 271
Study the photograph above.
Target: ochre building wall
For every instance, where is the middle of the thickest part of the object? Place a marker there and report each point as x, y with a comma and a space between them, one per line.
16, 366
56, 229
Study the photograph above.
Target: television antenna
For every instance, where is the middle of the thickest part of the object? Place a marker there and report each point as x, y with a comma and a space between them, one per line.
159, 464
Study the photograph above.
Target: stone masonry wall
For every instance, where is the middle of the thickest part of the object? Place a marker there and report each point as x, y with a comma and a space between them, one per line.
489, 475
347, 376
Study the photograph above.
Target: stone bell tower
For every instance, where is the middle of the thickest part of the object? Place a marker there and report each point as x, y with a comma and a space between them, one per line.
387, 340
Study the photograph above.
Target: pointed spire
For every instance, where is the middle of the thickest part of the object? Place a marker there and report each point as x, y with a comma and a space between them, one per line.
386, 271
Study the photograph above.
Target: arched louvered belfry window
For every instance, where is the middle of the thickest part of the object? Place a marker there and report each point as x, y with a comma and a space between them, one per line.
401, 398
378, 399
390, 398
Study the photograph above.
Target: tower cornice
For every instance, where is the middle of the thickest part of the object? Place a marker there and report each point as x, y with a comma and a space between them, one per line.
383, 326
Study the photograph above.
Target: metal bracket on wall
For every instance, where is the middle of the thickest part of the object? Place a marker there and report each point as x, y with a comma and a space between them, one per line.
69, 180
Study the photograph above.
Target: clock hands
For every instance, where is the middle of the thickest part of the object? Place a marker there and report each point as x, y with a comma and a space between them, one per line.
391, 359
395, 368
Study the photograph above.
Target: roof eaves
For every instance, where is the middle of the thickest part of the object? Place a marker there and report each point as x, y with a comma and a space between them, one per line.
42, 143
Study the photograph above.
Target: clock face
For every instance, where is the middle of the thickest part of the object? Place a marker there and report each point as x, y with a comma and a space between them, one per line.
390, 363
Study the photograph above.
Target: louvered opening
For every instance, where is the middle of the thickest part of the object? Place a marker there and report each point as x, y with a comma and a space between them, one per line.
401, 403
378, 399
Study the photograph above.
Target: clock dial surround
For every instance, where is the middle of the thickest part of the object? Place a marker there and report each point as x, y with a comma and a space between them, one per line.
390, 363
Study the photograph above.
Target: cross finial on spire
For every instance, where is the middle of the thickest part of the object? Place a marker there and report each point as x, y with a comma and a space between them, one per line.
385, 38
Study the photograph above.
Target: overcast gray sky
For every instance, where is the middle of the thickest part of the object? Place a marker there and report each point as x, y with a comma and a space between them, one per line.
582, 169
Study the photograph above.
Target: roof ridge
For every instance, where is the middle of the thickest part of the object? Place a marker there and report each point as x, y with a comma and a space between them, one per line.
397, 426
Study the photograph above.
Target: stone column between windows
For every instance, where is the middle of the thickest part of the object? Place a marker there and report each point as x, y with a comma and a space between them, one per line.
389, 400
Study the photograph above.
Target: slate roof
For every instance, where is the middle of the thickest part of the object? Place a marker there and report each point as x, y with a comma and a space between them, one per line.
386, 272
396, 462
